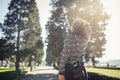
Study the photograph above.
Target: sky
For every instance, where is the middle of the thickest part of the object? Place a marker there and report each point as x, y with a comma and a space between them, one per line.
44, 11
112, 29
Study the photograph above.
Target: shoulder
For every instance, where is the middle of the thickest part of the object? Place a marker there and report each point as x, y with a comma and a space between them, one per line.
69, 35
68, 38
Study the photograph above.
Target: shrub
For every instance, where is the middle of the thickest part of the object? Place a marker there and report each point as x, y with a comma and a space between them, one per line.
8, 75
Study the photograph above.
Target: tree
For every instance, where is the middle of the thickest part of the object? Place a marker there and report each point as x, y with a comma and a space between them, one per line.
32, 33
39, 52
33, 54
14, 24
6, 50
21, 20
92, 11
56, 27
32, 39
0, 26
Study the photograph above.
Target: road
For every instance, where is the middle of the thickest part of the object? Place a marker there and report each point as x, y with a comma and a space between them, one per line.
42, 73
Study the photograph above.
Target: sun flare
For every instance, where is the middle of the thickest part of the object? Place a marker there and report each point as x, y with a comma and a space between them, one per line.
112, 30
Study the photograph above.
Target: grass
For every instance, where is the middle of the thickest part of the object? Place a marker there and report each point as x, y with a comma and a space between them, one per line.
13, 69
7, 69
7, 73
108, 72
10, 73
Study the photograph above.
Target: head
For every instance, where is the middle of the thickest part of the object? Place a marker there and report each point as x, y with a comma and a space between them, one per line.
81, 27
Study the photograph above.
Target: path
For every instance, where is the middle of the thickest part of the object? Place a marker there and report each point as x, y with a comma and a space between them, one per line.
49, 73
42, 73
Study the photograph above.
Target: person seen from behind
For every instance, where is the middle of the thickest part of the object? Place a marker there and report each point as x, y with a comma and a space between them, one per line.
75, 44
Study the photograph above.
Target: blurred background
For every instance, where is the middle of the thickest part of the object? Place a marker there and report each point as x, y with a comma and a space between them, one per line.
32, 32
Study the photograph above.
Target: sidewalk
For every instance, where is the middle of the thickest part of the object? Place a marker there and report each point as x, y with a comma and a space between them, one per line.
42, 73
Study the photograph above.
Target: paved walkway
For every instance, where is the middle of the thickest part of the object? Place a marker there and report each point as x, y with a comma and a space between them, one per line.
42, 73
49, 73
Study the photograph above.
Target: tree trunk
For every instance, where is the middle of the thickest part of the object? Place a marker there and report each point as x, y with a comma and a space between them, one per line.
93, 62
30, 63
1, 63
17, 65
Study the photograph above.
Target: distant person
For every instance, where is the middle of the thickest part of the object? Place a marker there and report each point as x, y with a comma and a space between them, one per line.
107, 64
75, 44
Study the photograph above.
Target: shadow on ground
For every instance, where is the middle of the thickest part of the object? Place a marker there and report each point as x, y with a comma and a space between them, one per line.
95, 76
40, 77
91, 76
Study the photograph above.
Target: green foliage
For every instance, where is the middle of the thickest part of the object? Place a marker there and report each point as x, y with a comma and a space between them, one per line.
56, 27
6, 49
33, 31
31, 54
21, 26
15, 24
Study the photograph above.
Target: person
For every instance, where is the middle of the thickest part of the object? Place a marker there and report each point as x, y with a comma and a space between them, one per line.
75, 44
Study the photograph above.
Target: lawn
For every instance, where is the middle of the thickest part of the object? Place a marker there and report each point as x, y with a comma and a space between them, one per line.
10, 73
7, 69
108, 72
13, 69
